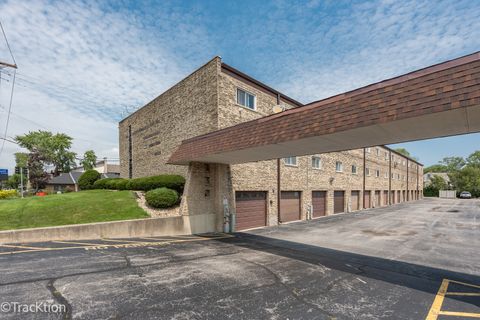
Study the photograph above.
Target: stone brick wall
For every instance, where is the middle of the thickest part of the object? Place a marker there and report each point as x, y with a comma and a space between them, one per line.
186, 110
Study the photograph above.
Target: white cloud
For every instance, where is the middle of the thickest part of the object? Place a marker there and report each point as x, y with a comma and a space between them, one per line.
81, 66
375, 41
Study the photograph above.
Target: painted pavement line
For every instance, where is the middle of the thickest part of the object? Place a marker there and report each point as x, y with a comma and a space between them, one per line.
20, 247
436, 308
459, 314
80, 243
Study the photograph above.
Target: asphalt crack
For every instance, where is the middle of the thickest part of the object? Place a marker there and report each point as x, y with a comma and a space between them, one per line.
57, 296
293, 292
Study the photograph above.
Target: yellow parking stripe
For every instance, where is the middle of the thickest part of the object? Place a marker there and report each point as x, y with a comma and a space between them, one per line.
96, 246
468, 294
81, 243
460, 314
20, 247
437, 303
465, 284
127, 241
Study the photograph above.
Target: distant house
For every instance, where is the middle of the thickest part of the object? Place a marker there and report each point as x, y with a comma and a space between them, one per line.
103, 166
69, 181
427, 177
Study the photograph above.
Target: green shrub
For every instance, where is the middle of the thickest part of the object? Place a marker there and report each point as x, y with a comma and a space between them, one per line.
111, 183
87, 179
170, 181
117, 184
161, 198
101, 183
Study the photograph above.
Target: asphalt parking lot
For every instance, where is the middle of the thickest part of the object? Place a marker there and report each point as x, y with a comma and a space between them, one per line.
410, 261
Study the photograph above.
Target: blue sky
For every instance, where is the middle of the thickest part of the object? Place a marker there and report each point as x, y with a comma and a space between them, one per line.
83, 66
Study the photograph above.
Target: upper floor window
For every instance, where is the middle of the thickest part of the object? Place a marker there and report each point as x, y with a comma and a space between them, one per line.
368, 150
377, 173
339, 166
290, 161
386, 155
246, 99
386, 175
354, 169
377, 150
316, 163
367, 171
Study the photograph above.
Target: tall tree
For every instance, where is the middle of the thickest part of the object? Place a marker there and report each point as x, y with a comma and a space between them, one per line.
53, 149
406, 153
473, 160
453, 163
89, 160
435, 168
36, 173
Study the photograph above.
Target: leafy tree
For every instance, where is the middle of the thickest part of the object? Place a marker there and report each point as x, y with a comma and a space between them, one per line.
21, 159
438, 183
13, 181
36, 173
473, 160
53, 149
405, 153
89, 160
467, 179
453, 163
435, 168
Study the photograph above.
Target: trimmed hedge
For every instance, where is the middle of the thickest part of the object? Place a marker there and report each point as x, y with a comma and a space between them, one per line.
174, 182
88, 178
161, 198
111, 183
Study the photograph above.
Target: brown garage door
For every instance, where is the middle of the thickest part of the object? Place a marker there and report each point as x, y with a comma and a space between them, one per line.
399, 197
251, 209
392, 197
290, 206
385, 198
377, 199
319, 203
355, 200
367, 199
338, 201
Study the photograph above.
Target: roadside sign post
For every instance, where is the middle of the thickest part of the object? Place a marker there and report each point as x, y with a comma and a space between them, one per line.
21, 181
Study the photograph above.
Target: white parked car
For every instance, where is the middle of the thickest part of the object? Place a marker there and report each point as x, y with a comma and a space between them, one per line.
465, 195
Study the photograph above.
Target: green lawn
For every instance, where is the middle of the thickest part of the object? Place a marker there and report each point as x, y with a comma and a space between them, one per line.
69, 208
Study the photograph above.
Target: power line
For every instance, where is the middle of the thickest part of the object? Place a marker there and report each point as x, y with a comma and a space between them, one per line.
9, 111
9, 49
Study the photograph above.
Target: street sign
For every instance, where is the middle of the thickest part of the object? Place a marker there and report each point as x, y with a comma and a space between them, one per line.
3, 174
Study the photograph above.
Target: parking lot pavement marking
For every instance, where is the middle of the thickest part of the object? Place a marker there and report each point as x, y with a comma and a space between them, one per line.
118, 240
460, 314
20, 247
436, 308
80, 243
96, 246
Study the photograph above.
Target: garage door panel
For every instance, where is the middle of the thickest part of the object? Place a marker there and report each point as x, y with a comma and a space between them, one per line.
290, 206
367, 199
319, 203
355, 200
338, 201
251, 209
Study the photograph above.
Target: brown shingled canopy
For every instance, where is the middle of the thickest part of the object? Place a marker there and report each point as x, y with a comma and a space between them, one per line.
440, 100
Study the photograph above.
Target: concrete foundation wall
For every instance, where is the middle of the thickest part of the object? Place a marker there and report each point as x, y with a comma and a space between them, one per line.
170, 226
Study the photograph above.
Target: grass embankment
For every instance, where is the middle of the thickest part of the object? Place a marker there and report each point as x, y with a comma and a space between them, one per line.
69, 208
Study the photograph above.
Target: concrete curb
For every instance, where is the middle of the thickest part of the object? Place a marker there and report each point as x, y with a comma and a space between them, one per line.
150, 227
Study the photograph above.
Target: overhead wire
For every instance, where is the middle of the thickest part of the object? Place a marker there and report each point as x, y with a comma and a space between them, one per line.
9, 112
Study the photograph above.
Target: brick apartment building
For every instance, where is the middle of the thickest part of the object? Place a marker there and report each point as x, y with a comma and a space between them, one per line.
217, 96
